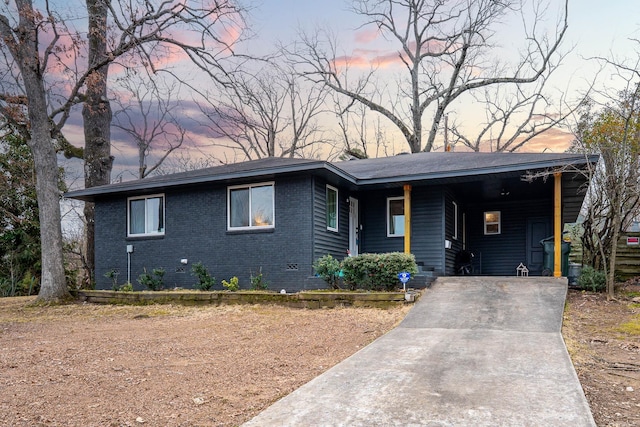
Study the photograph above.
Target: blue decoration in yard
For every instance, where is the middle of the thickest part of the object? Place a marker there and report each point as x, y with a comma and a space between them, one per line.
404, 277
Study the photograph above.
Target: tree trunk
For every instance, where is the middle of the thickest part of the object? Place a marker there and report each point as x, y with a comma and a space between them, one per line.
25, 52
53, 283
611, 274
96, 114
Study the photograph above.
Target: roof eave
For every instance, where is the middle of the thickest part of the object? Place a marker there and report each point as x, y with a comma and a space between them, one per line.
520, 167
90, 194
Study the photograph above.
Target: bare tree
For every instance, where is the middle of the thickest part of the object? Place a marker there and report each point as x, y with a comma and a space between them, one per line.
267, 113
25, 105
514, 117
148, 114
360, 136
613, 131
445, 49
184, 161
45, 73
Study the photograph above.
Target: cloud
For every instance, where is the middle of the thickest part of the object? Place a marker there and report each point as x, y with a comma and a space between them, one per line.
552, 141
367, 35
367, 58
382, 58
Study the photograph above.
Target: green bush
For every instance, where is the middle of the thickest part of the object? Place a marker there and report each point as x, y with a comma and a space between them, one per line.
592, 280
205, 280
153, 280
258, 282
127, 287
377, 272
328, 269
113, 275
232, 284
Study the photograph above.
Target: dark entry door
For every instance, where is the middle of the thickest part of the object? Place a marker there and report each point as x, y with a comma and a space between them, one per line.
537, 229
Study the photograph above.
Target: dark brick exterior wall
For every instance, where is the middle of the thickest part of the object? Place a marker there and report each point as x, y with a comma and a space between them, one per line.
196, 230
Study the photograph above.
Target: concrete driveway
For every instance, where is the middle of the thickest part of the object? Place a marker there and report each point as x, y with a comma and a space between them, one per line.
472, 352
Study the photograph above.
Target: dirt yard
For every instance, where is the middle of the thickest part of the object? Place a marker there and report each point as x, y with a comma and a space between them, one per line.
164, 365
88, 365
603, 338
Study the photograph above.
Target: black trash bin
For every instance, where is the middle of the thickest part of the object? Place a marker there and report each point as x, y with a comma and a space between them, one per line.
549, 252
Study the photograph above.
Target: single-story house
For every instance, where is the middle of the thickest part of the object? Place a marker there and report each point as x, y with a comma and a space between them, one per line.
278, 215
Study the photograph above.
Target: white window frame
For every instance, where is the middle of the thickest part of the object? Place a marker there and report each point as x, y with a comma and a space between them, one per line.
337, 211
455, 221
164, 216
249, 187
388, 214
498, 223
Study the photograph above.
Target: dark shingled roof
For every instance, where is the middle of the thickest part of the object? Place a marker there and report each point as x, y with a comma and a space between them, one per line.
425, 166
387, 170
268, 167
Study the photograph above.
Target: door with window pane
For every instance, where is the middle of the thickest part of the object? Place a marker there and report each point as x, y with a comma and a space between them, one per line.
354, 227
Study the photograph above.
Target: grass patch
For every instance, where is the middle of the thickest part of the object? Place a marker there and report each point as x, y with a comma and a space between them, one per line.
630, 294
630, 328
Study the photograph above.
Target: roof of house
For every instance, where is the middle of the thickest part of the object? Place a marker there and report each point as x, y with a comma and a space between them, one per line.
365, 172
439, 165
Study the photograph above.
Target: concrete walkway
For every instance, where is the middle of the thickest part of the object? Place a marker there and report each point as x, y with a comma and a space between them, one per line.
472, 352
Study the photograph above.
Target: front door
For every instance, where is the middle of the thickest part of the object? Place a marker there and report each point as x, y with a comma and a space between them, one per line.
537, 229
354, 227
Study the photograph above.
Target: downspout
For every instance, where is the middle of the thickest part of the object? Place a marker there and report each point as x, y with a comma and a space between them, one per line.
557, 224
407, 219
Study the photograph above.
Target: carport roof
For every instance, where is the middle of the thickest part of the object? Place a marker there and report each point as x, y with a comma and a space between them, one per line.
406, 168
427, 166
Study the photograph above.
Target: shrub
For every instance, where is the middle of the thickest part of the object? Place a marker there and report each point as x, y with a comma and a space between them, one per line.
592, 279
377, 272
113, 275
127, 287
205, 280
153, 280
232, 284
258, 283
328, 269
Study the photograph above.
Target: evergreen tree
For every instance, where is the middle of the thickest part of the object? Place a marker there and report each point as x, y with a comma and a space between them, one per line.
20, 267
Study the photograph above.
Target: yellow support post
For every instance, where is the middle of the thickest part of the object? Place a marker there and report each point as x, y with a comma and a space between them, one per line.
557, 225
407, 219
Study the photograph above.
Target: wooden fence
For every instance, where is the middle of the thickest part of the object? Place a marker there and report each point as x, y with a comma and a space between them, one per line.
628, 257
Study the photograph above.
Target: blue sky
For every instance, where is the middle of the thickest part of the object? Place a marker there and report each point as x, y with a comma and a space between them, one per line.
594, 25
596, 28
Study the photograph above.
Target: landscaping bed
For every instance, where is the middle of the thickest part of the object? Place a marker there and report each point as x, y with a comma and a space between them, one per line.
310, 299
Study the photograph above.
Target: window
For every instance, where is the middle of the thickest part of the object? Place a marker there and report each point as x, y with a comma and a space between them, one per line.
395, 217
492, 222
332, 208
455, 221
146, 215
251, 206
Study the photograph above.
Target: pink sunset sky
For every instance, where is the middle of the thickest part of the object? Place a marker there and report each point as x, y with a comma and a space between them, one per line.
596, 28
